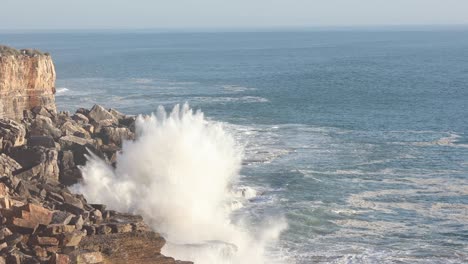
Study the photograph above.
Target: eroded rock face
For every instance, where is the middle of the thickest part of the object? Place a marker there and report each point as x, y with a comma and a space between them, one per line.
27, 80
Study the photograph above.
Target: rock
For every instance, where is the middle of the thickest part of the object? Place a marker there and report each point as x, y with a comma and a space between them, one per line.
43, 126
43, 111
8, 165
90, 258
53, 230
37, 162
26, 80
62, 218
99, 113
12, 134
78, 221
59, 259
72, 239
30, 216
74, 129
69, 172
47, 241
96, 216
72, 142
43, 141
80, 119
115, 135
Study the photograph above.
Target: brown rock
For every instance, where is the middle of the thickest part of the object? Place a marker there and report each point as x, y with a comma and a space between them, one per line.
99, 113
90, 258
8, 165
12, 134
72, 239
59, 259
47, 241
26, 80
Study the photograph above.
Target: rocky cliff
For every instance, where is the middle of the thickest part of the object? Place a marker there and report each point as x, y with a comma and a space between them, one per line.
27, 80
41, 220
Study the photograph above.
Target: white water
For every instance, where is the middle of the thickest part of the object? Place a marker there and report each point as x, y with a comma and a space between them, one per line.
180, 174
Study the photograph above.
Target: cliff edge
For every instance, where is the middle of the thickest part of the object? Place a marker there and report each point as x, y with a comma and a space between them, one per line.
41, 150
27, 80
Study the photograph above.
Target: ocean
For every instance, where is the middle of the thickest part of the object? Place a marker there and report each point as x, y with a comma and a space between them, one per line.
354, 142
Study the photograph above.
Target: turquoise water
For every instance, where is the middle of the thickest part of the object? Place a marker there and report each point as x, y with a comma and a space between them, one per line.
359, 138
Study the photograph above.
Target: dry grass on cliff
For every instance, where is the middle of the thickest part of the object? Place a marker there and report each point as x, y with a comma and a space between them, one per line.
7, 51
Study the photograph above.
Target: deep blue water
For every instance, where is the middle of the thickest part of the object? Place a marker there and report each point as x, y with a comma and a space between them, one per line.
358, 137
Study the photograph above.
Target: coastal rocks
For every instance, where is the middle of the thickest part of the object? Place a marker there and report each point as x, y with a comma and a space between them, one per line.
27, 80
12, 134
41, 220
115, 135
99, 113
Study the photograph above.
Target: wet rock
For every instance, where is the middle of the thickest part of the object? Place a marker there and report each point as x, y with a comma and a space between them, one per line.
115, 135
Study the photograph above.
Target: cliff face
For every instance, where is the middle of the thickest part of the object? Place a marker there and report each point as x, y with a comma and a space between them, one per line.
27, 79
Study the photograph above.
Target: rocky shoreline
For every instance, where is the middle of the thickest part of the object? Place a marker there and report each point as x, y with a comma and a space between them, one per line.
41, 151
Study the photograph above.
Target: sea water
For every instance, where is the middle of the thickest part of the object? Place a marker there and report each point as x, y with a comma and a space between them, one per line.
308, 147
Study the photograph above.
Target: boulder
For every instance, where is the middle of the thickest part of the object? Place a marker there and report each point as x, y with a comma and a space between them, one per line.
99, 113
80, 118
115, 135
12, 134
74, 129
8, 165
43, 126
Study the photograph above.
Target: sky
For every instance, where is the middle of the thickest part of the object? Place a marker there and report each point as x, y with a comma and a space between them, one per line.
187, 14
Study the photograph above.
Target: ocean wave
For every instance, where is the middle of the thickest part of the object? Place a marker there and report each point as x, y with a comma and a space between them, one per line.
61, 91
181, 167
221, 99
237, 89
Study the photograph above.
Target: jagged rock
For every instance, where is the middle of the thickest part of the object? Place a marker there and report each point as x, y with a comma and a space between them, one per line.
72, 142
37, 162
28, 217
43, 111
69, 173
71, 239
74, 129
80, 119
115, 135
134, 247
118, 115
42, 141
12, 134
99, 113
43, 126
62, 218
8, 165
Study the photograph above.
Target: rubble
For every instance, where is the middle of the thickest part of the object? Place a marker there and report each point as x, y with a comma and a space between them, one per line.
41, 220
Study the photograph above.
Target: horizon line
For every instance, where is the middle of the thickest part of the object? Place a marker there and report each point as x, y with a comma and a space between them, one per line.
389, 27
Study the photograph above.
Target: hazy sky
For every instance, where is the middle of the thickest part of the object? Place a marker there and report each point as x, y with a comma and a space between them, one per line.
103, 14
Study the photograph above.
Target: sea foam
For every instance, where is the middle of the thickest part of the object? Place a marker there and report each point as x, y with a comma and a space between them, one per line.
180, 174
